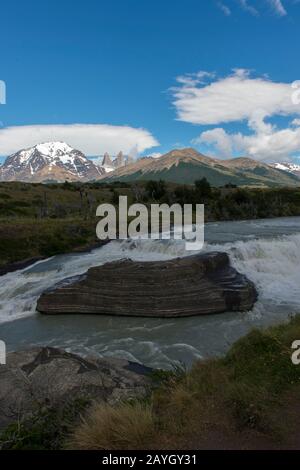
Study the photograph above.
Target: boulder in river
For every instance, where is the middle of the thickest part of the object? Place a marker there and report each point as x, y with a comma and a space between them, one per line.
194, 285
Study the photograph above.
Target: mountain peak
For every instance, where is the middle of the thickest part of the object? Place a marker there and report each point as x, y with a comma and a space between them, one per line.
182, 152
54, 146
49, 150
107, 161
186, 154
49, 160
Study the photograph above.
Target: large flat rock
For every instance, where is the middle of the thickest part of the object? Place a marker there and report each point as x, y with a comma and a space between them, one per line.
195, 285
46, 376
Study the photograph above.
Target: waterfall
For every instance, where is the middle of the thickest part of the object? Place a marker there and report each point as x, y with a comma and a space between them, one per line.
272, 264
266, 251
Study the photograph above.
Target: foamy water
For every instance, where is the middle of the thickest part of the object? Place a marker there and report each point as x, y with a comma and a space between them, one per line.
267, 251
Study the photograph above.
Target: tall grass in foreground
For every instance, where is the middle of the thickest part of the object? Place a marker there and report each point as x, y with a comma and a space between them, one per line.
125, 426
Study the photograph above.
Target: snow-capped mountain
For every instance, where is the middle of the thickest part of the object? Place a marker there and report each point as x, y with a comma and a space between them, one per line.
290, 167
49, 161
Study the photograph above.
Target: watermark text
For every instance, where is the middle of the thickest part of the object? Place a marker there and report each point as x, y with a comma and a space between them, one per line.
2, 353
2, 92
160, 221
296, 353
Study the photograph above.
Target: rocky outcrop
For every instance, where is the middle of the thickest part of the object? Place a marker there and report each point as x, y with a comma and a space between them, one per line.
50, 377
119, 161
107, 160
195, 285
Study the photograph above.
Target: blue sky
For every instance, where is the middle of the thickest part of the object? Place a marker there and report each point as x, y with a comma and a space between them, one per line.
147, 76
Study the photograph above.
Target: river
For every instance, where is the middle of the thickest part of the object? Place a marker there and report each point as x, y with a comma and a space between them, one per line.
267, 251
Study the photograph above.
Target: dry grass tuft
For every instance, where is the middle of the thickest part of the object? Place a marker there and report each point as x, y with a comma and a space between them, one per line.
125, 426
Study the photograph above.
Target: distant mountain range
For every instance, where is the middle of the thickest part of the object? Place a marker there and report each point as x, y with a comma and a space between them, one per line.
57, 161
50, 161
187, 165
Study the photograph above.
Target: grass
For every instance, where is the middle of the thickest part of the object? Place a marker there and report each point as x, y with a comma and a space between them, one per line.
125, 426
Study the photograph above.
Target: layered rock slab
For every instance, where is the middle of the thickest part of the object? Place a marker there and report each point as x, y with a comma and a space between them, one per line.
201, 284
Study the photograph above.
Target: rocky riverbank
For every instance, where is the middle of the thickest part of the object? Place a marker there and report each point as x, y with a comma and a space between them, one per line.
247, 399
48, 378
195, 285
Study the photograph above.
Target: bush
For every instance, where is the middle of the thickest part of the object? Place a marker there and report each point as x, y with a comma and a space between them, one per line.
203, 188
44, 430
156, 189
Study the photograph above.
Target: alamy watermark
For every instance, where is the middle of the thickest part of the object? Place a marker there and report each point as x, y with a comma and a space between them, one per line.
2, 353
296, 354
2, 92
160, 222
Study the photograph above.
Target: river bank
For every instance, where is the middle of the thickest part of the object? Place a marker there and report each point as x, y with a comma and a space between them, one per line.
247, 399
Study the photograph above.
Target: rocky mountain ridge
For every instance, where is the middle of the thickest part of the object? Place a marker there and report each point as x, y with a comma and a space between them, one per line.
187, 165
58, 161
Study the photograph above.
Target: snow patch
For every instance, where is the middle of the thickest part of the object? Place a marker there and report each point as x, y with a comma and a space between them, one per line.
290, 167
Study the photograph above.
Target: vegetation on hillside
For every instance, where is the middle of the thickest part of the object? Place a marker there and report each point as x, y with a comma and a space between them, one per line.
38, 220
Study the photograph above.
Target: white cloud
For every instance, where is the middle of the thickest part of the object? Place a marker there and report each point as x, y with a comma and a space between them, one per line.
240, 97
248, 8
279, 145
218, 138
194, 78
278, 7
91, 139
232, 98
224, 8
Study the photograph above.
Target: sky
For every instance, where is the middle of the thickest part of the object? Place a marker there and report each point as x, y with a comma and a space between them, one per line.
149, 76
